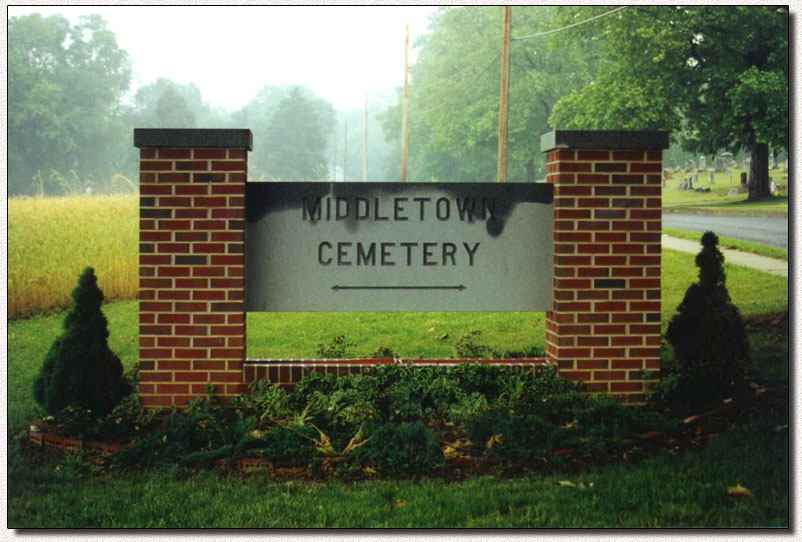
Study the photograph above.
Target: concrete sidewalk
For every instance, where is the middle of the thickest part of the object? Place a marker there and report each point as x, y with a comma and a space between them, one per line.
736, 257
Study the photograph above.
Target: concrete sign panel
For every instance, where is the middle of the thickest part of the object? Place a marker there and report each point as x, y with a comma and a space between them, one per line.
398, 247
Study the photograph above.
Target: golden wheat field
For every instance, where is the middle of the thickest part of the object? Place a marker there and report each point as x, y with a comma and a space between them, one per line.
51, 240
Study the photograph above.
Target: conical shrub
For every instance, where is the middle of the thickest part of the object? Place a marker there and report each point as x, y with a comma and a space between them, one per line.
708, 333
80, 370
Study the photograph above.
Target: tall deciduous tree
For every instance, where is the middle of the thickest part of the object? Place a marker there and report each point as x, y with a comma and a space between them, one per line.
454, 92
166, 104
715, 75
296, 137
304, 113
65, 86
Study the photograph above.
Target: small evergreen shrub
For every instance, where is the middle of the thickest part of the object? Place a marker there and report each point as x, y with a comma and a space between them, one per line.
708, 333
402, 448
80, 370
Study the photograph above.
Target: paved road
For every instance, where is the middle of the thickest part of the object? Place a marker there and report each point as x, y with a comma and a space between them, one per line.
768, 231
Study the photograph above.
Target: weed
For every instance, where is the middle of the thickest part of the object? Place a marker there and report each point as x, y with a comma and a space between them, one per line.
337, 348
76, 465
468, 346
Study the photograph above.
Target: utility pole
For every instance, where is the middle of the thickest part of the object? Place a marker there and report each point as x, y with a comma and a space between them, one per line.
504, 93
365, 141
345, 147
334, 160
404, 105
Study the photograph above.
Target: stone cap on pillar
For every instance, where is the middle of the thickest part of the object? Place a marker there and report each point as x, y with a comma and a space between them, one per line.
604, 139
193, 138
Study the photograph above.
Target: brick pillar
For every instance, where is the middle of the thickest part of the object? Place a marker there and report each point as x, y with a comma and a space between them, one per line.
604, 328
191, 259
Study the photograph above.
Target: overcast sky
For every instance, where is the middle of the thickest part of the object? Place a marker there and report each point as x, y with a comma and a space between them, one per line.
231, 52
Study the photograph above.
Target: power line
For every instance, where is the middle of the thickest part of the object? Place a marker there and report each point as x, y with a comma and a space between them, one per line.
459, 94
547, 32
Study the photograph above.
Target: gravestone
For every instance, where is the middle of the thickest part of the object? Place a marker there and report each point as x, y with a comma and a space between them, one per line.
733, 192
743, 179
703, 162
711, 176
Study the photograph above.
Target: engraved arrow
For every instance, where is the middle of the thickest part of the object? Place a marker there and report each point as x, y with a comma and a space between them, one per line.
337, 287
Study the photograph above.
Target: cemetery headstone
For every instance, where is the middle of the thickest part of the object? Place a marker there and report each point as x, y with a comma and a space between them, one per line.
711, 176
743, 179
733, 192
703, 162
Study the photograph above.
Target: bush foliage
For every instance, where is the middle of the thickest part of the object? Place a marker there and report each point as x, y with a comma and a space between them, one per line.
80, 370
708, 333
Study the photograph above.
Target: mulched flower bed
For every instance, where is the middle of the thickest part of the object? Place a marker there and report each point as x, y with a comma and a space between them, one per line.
462, 459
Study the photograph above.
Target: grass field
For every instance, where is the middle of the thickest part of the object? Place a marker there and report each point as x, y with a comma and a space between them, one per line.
736, 244
51, 240
670, 490
717, 201
411, 335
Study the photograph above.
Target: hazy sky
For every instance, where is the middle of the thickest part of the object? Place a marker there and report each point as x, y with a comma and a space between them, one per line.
231, 52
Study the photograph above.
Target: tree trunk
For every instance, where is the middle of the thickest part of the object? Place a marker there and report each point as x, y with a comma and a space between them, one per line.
530, 171
759, 172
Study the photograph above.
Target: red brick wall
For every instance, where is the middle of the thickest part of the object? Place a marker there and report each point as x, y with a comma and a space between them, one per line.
605, 326
191, 257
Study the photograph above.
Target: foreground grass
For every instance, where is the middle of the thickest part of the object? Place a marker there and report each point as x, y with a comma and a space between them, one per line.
737, 244
670, 490
51, 240
411, 335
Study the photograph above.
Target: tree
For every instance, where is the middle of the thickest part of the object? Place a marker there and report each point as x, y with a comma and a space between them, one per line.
716, 76
454, 92
708, 333
316, 114
65, 86
80, 370
166, 104
296, 137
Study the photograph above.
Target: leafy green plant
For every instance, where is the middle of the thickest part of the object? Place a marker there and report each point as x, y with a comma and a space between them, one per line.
514, 437
287, 443
526, 352
708, 333
200, 432
270, 401
468, 346
383, 352
605, 424
337, 348
127, 420
406, 448
76, 465
80, 370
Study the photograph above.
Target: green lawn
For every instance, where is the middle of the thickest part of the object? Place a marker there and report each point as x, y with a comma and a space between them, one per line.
718, 200
669, 490
672, 489
412, 335
737, 244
